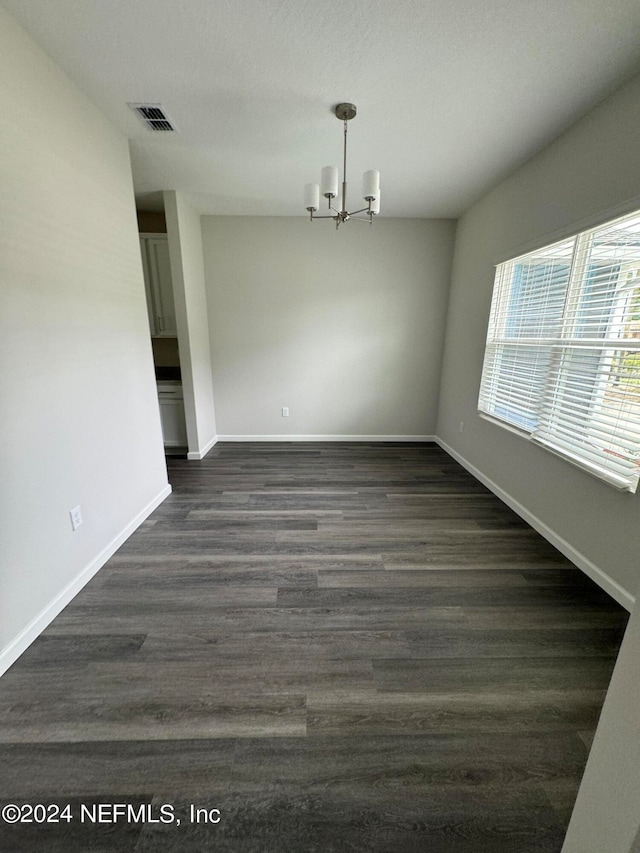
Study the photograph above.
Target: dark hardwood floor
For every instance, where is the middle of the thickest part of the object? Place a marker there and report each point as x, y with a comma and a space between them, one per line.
340, 647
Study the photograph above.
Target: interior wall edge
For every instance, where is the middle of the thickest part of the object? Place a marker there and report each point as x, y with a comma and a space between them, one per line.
195, 455
20, 643
598, 575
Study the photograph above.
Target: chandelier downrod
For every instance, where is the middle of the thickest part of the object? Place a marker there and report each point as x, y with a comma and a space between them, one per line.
344, 171
329, 183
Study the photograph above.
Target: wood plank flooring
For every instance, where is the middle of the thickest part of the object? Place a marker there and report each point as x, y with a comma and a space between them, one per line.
342, 647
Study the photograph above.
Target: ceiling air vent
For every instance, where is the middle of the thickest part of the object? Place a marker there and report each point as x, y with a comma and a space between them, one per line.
153, 116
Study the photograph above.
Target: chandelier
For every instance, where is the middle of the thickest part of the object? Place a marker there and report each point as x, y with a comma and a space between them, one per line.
329, 184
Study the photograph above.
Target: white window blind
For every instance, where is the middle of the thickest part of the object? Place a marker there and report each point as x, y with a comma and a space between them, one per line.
562, 360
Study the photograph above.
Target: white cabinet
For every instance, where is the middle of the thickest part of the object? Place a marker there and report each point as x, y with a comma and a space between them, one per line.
157, 280
174, 430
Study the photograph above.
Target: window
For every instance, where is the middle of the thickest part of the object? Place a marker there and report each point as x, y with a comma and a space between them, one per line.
562, 360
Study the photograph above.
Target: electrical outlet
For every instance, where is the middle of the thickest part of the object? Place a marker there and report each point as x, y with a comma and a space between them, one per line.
76, 517
285, 411
461, 427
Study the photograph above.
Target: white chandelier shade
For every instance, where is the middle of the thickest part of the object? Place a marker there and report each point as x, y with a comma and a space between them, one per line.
330, 184
371, 185
329, 181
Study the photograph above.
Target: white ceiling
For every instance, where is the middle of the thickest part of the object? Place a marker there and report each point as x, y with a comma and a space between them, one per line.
452, 95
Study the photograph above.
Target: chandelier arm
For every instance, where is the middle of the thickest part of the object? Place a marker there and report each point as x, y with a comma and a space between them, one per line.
362, 210
323, 217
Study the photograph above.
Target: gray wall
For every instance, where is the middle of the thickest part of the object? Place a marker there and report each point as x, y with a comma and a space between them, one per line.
80, 420
343, 327
589, 174
606, 816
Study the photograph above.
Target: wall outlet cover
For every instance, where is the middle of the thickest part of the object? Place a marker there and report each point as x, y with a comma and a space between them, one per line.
76, 517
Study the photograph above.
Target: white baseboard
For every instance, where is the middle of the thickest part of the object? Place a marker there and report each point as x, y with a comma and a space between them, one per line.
399, 438
23, 640
594, 572
200, 454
